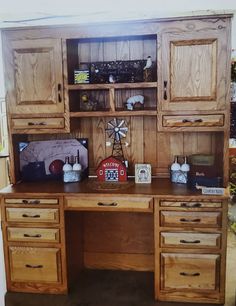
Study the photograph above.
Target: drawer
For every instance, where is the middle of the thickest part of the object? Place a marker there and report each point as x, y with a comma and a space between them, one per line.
31, 201
191, 204
190, 271
109, 203
193, 218
37, 123
34, 264
193, 121
35, 215
33, 234
190, 240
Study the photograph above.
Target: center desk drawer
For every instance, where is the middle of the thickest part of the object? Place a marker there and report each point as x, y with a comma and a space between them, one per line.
36, 215
193, 219
102, 203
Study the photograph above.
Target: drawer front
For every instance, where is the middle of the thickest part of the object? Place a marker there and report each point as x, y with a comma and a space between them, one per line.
110, 203
34, 264
193, 219
33, 234
35, 215
193, 121
190, 271
191, 204
31, 201
38, 123
190, 240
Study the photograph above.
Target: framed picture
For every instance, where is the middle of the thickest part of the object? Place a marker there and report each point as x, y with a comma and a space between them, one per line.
143, 173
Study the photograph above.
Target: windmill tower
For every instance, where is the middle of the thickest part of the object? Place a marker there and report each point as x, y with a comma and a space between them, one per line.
117, 129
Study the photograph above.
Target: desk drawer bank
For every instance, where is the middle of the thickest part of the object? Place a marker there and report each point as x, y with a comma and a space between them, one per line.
178, 235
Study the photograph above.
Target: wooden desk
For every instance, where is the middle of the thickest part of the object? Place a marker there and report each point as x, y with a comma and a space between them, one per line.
53, 230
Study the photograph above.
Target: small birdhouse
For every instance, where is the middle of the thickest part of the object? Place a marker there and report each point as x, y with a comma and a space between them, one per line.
111, 169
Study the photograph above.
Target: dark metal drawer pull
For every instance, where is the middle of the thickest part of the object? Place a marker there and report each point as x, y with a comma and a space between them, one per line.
34, 267
190, 220
37, 123
189, 274
191, 205
33, 236
31, 202
107, 204
186, 241
165, 90
28, 216
192, 121
59, 92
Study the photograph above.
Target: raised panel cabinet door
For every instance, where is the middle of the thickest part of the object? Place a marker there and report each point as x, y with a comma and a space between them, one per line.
194, 70
36, 72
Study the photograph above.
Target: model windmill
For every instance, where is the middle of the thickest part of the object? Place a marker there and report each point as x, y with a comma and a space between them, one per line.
117, 129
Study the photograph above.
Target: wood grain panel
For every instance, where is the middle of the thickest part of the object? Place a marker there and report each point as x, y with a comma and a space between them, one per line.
191, 272
116, 261
34, 264
118, 233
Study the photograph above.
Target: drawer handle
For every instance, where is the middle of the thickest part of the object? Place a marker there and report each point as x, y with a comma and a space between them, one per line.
189, 274
36, 123
190, 220
33, 236
31, 202
192, 121
165, 90
30, 216
107, 204
59, 92
191, 205
34, 267
186, 241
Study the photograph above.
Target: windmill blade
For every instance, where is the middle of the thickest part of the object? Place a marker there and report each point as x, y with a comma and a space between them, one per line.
125, 129
114, 121
121, 123
110, 124
110, 132
117, 136
122, 134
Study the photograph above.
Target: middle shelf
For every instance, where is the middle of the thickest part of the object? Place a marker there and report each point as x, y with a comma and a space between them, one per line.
124, 99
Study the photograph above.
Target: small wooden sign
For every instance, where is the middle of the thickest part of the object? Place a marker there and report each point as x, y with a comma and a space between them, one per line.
111, 169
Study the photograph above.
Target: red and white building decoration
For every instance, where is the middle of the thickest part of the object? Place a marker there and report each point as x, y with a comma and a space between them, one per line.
111, 169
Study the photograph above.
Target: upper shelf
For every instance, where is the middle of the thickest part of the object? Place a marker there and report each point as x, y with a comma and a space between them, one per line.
112, 86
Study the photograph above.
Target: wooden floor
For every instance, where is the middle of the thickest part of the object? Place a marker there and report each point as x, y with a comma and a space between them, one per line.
119, 288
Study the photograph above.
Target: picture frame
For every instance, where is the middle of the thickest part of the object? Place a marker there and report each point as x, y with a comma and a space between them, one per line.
143, 173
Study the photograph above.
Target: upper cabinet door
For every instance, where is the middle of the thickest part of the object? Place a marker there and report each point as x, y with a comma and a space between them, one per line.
193, 71
36, 72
